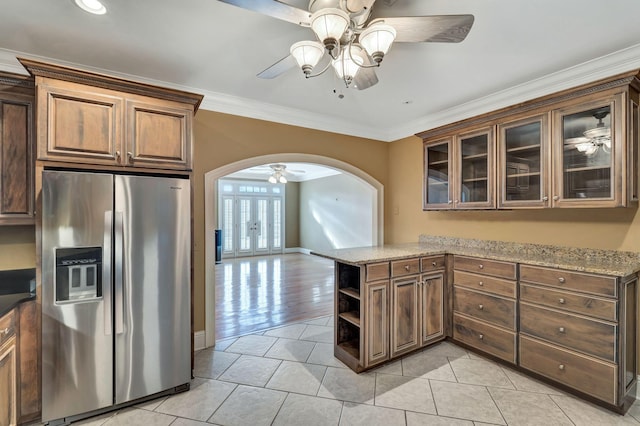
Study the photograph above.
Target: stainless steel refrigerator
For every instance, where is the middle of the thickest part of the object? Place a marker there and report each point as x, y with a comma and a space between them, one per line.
115, 289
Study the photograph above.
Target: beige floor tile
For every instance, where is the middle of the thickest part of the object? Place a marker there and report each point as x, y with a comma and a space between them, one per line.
188, 422
292, 331
369, 415
634, 411
528, 384
199, 403
322, 354
95, 420
221, 345
427, 366
252, 345
394, 367
297, 377
583, 413
528, 409
211, 363
250, 370
446, 349
249, 406
419, 419
151, 405
137, 417
462, 401
344, 384
318, 333
291, 350
404, 393
480, 372
326, 320
308, 411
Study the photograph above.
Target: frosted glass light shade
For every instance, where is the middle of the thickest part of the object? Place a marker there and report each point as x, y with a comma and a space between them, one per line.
346, 65
307, 54
377, 40
91, 6
329, 24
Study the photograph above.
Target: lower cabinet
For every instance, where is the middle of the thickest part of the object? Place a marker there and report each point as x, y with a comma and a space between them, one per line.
376, 333
8, 370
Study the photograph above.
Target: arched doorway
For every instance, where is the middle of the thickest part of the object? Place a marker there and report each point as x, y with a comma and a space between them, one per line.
211, 213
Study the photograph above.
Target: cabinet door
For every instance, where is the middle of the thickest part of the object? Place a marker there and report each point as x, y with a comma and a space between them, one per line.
377, 323
16, 162
589, 150
158, 135
405, 315
437, 176
474, 187
431, 307
8, 383
523, 173
79, 124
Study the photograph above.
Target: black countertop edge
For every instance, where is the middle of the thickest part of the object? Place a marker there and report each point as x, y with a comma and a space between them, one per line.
10, 301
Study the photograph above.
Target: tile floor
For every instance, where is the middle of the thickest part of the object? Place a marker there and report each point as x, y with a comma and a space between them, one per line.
288, 376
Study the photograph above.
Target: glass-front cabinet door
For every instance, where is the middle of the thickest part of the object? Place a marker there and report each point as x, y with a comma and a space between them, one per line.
438, 185
523, 169
475, 170
588, 166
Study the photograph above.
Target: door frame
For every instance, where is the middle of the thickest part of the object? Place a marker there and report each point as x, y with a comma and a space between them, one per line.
211, 217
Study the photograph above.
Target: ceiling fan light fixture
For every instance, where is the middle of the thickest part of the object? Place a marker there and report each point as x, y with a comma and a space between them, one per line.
272, 179
347, 64
91, 6
307, 54
328, 25
282, 179
377, 39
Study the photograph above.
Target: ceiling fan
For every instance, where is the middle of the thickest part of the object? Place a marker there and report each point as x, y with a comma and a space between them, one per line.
352, 43
279, 172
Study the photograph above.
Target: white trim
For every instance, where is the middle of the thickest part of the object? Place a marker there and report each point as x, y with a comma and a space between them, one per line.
199, 340
211, 212
297, 250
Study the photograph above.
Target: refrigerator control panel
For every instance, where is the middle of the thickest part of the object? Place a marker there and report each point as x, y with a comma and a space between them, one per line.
78, 274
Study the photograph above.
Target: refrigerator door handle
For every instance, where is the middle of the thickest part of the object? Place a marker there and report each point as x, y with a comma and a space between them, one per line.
106, 272
119, 272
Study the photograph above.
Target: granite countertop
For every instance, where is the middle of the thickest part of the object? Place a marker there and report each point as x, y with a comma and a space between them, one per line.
606, 262
16, 287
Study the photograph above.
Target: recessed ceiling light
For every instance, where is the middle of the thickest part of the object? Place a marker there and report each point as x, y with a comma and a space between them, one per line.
91, 6
407, 102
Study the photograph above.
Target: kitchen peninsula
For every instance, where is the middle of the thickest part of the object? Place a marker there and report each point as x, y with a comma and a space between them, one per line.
566, 315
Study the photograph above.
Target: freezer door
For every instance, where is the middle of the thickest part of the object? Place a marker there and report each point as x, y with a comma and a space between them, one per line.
152, 285
77, 339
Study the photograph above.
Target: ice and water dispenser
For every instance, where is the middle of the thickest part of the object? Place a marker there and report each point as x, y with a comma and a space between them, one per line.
78, 274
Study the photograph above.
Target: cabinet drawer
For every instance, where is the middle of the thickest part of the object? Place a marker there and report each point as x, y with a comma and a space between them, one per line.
432, 263
568, 301
493, 285
490, 267
589, 375
377, 271
405, 267
593, 337
490, 339
568, 280
496, 310
7, 326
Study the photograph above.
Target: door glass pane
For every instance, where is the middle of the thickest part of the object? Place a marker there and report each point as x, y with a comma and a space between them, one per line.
244, 224
522, 145
227, 225
277, 223
262, 222
474, 185
438, 174
587, 157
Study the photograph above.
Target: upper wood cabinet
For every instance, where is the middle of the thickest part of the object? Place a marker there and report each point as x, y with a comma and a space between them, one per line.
95, 119
16, 150
576, 148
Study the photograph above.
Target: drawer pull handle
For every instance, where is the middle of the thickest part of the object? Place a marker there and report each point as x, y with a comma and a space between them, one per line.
561, 329
481, 307
561, 367
5, 331
480, 336
434, 264
561, 279
407, 267
118, 156
480, 283
561, 301
481, 266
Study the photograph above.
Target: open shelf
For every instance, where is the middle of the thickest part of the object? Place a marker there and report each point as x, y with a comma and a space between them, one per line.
523, 175
475, 156
437, 163
482, 179
587, 168
352, 347
352, 316
351, 292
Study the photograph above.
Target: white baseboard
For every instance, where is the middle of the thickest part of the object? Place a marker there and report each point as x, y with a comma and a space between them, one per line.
297, 250
199, 340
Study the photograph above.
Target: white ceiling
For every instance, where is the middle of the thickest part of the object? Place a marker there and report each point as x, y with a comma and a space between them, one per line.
516, 50
294, 172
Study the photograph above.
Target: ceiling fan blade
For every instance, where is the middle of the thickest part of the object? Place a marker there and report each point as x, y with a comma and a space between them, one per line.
436, 28
283, 65
365, 78
275, 9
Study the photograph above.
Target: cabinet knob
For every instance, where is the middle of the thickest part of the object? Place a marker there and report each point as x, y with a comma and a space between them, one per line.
130, 156
434, 264
481, 283
561, 301
561, 279
481, 307
5, 331
457, 201
561, 367
407, 268
480, 336
561, 329
545, 198
556, 198
481, 266
450, 202
118, 156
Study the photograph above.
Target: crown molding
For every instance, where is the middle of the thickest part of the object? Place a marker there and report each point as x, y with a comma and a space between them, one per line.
586, 72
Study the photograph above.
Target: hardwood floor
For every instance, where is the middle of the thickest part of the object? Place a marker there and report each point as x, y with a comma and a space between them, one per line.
255, 293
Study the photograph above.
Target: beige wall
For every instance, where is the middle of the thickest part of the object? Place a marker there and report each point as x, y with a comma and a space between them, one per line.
17, 247
617, 229
221, 139
292, 215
